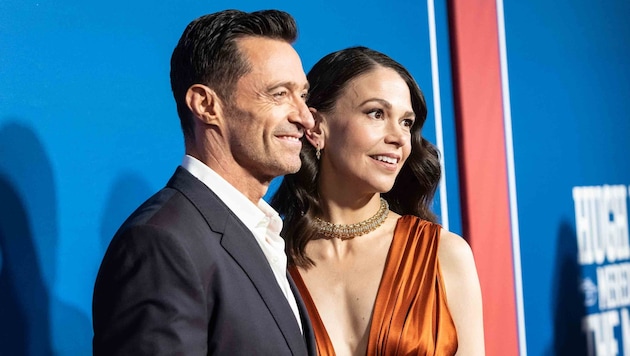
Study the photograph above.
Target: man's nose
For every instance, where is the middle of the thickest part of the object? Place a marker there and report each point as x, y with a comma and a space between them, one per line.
303, 115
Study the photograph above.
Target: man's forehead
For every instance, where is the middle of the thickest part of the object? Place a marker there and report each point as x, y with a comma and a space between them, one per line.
276, 61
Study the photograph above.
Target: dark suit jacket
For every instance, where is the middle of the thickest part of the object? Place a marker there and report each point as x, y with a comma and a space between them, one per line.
184, 276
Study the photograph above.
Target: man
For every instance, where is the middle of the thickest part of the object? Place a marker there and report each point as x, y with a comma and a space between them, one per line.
200, 267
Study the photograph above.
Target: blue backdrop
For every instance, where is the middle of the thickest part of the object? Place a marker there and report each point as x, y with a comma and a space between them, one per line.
88, 130
570, 88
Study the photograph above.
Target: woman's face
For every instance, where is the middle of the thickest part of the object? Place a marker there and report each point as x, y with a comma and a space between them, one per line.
367, 136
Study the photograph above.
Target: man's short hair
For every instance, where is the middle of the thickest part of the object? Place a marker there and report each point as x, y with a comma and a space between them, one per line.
207, 53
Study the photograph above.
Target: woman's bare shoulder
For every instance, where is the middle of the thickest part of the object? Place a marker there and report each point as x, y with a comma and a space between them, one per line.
453, 249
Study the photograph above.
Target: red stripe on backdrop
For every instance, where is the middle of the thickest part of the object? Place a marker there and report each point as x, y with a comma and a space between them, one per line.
481, 140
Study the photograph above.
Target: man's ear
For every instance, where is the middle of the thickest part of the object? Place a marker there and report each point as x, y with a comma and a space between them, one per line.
317, 135
204, 103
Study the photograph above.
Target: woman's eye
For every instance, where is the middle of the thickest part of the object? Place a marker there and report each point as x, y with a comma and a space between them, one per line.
376, 114
408, 122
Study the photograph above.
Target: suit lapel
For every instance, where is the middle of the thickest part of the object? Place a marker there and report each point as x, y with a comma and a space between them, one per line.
240, 243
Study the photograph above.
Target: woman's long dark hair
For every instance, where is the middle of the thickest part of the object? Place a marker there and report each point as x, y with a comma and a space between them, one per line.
297, 198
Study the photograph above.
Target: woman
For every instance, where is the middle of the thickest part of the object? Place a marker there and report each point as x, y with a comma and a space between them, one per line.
378, 275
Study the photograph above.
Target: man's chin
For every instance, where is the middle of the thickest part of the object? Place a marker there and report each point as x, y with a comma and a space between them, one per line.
292, 166
282, 171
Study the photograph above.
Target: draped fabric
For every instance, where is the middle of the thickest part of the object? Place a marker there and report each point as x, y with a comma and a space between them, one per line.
410, 315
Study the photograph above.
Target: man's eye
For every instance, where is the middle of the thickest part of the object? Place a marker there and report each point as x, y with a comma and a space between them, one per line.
280, 94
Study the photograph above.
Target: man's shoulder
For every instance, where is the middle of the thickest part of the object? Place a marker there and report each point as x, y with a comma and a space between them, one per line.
153, 205
167, 218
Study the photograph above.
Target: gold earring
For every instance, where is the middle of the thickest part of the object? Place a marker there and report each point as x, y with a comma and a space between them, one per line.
318, 152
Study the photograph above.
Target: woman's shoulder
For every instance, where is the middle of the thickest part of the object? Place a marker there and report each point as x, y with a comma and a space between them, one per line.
451, 245
454, 250
457, 265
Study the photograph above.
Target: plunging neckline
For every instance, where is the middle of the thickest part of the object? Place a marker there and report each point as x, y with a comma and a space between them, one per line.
410, 313
316, 320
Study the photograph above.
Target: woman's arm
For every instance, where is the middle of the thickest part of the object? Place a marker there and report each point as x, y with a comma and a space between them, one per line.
463, 292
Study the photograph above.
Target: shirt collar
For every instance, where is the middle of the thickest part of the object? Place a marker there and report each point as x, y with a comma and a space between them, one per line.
249, 213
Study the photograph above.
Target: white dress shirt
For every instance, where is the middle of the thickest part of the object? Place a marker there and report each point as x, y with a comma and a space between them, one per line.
262, 220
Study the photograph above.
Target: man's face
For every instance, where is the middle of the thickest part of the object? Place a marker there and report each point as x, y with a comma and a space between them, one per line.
267, 113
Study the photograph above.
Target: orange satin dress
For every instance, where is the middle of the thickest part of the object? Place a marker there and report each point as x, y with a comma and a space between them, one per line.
410, 315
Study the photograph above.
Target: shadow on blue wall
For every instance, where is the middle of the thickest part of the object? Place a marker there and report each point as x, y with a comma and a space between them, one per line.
34, 321
24, 296
568, 303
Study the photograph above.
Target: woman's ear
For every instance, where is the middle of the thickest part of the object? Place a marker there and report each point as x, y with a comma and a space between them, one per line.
204, 104
317, 135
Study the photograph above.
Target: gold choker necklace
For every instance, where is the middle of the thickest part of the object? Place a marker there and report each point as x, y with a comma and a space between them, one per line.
347, 232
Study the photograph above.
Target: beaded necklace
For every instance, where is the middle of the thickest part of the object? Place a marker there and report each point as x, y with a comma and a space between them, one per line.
350, 231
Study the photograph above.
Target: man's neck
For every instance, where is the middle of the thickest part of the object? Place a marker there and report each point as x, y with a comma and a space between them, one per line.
234, 174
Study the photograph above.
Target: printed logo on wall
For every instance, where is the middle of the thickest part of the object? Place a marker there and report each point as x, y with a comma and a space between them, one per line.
601, 218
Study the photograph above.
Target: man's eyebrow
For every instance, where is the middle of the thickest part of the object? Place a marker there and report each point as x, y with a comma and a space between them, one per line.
289, 84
